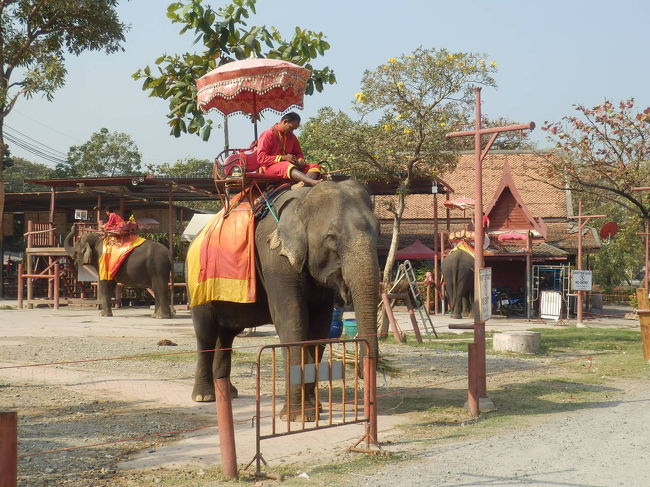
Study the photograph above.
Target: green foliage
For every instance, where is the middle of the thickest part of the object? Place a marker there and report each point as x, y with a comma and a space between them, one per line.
226, 37
619, 261
23, 169
405, 108
605, 153
190, 167
415, 99
105, 154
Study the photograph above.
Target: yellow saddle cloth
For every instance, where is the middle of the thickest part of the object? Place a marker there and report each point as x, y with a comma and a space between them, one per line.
115, 250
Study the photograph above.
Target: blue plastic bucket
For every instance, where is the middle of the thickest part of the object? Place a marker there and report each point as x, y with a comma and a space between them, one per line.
336, 327
350, 327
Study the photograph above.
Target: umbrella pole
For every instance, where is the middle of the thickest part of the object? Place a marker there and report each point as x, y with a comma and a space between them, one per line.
254, 115
225, 135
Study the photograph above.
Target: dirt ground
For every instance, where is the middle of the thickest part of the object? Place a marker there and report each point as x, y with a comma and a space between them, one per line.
131, 421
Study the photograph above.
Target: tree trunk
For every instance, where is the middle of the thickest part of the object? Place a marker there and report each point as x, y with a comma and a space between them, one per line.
2, 207
390, 259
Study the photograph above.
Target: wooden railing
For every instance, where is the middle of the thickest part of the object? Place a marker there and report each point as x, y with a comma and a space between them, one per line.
40, 234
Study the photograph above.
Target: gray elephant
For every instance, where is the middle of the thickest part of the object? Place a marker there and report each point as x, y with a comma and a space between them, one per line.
325, 244
147, 266
458, 272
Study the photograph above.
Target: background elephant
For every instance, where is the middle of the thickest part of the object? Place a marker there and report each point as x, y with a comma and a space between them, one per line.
325, 243
458, 272
147, 266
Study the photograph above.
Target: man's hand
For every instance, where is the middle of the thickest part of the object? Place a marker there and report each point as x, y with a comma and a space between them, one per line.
289, 157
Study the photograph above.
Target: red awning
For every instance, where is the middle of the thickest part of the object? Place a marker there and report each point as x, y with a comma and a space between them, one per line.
417, 250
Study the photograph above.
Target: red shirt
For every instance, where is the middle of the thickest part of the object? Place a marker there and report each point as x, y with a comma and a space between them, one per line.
273, 144
114, 221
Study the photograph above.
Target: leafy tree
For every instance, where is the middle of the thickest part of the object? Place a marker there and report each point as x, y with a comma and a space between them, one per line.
226, 37
405, 108
620, 259
105, 154
190, 167
605, 152
35, 36
23, 169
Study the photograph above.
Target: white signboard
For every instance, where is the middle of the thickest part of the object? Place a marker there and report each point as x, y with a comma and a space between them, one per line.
581, 280
485, 293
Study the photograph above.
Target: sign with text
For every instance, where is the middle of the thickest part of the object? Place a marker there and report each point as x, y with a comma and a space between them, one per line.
581, 280
485, 293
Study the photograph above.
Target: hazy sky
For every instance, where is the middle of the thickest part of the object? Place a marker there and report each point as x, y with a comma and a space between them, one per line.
550, 55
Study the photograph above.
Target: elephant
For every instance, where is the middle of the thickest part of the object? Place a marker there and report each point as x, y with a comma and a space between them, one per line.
147, 266
323, 247
458, 273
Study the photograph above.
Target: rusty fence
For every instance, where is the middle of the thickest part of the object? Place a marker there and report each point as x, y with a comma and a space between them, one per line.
322, 387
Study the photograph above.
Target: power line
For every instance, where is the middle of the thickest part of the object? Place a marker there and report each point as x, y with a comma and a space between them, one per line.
34, 150
46, 147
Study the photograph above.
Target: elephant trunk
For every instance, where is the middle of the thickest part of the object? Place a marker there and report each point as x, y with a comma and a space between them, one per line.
67, 243
362, 279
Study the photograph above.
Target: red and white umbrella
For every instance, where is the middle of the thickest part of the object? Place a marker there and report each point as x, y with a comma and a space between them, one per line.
252, 86
511, 236
459, 203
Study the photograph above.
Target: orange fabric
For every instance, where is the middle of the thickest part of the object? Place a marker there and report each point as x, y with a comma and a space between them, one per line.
115, 250
221, 263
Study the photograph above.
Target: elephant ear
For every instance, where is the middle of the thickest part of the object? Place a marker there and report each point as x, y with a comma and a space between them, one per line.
291, 235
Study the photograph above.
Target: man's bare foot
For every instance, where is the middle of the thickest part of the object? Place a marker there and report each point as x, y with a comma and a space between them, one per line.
299, 184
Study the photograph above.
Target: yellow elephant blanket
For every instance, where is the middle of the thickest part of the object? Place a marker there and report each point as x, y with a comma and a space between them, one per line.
115, 250
221, 260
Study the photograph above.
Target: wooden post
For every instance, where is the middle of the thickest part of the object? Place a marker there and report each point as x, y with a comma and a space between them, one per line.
8, 449
472, 392
20, 286
226, 428
57, 269
436, 258
391, 318
370, 395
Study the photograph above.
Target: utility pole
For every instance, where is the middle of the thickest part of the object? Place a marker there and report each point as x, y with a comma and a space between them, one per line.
477, 367
581, 225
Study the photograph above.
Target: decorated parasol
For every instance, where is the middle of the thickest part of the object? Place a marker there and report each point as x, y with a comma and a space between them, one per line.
512, 235
252, 86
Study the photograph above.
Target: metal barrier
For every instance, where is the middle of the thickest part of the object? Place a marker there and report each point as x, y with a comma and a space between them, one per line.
340, 399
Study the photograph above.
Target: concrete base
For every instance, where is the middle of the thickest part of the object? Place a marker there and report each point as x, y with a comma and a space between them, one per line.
517, 341
485, 405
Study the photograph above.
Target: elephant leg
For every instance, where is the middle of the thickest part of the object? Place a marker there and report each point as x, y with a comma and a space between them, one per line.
206, 331
161, 290
288, 306
105, 291
320, 319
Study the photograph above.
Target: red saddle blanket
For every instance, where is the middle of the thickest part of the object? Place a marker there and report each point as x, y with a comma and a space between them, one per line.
115, 250
221, 260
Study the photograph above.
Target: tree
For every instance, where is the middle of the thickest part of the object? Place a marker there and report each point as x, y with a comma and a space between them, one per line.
35, 37
23, 169
105, 154
605, 152
415, 99
226, 37
190, 167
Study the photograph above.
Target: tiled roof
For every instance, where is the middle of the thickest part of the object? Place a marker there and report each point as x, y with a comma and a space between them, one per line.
528, 173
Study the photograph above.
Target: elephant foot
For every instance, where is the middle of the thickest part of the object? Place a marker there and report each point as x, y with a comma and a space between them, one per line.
457, 316
296, 413
105, 313
205, 393
162, 316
